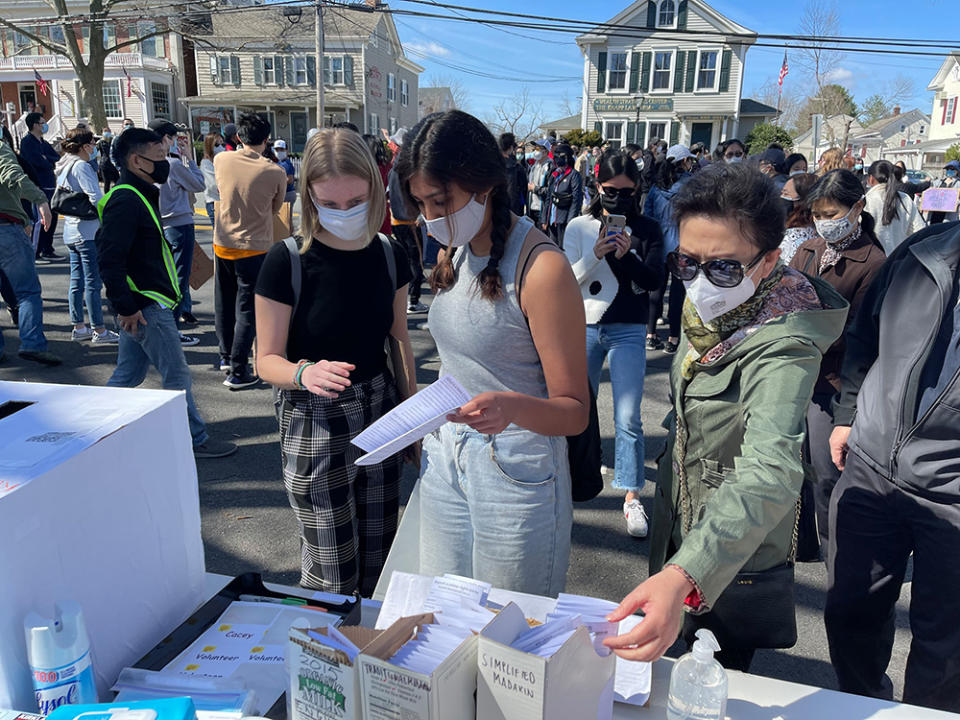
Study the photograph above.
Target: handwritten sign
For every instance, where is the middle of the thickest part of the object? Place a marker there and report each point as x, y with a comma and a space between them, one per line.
940, 200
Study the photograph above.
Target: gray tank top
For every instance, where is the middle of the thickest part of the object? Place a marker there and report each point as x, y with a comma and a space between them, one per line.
486, 344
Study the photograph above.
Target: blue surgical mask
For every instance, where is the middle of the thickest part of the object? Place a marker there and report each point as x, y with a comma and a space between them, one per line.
951, 173
95, 154
44, 128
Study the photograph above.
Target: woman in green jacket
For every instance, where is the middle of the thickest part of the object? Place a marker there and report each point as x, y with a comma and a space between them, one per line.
729, 480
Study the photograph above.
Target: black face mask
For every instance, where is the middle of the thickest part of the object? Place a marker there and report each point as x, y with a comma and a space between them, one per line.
561, 160
787, 206
160, 171
617, 205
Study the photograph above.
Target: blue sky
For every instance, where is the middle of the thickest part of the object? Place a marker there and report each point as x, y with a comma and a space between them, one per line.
541, 60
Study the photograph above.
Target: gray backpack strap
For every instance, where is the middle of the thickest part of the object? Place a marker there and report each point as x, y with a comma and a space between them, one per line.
296, 276
391, 260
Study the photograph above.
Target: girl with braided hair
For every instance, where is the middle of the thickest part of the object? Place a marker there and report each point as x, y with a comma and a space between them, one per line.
509, 324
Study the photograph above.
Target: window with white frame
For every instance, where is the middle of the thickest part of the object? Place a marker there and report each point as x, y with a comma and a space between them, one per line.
921, 129
657, 130
269, 70
404, 93
56, 34
112, 104
109, 35
300, 71
707, 75
374, 123
667, 14
335, 77
662, 76
225, 73
160, 99
152, 46
613, 134
617, 72
391, 87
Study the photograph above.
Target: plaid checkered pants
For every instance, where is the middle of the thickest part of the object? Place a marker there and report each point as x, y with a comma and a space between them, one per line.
347, 514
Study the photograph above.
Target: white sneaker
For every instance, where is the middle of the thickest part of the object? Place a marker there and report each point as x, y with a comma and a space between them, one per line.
637, 525
85, 333
107, 337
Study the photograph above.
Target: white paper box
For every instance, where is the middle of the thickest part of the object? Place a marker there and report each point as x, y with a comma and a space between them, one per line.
324, 684
574, 684
391, 692
98, 504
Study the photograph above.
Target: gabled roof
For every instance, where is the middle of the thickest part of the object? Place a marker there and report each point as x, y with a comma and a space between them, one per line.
571, 122
749, 106
941, 77
911, 116
833, 122
632, 15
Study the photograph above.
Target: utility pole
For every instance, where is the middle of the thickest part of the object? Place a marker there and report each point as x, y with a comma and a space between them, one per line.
318, 39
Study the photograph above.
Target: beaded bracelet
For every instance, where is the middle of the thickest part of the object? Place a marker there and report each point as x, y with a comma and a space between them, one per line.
300, 368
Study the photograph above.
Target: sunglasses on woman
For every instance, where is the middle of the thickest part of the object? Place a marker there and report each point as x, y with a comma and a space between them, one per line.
612, 192
722, 273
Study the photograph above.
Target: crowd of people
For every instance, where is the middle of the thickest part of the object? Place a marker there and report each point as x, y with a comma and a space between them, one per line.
813, 318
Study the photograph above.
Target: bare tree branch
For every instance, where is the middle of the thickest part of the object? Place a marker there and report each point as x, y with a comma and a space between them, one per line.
520, 115
38, 39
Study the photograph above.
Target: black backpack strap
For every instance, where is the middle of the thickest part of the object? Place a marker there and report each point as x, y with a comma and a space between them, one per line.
523, 268
391, 260
296, 274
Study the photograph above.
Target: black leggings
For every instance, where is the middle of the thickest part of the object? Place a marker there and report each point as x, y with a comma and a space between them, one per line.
678, 294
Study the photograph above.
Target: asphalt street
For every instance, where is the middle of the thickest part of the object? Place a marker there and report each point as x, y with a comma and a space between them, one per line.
248, 525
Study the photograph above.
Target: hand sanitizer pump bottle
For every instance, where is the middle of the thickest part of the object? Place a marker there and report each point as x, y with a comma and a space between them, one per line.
698, 683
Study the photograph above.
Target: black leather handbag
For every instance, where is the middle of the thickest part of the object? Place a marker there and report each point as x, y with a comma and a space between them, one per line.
70, 202
756, 610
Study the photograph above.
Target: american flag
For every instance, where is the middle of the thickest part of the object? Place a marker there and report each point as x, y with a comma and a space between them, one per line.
784, 69
41, 83
128, 81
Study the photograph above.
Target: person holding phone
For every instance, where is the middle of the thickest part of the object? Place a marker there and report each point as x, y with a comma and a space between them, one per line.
617, 258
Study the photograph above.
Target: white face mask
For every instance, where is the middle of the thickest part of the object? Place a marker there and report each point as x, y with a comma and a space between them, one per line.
537, 155
459, 228
797, 172
711, 301
833, 231
733, 160
281, 154
348, 225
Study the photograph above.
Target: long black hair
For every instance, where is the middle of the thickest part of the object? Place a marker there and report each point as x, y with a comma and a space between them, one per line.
845, 189
883, 172
454, 147
668, 172
377, 149
612, 164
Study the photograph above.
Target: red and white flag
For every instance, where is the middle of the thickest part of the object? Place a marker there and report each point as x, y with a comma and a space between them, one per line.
784, 69
41, 83
129, 91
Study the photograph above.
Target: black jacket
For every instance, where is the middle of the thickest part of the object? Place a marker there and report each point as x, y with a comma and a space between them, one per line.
565, 194
648, 176
516, 185
133, 250
637, 273
888, 345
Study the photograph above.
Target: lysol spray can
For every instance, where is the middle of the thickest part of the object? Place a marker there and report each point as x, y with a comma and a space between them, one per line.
58, 650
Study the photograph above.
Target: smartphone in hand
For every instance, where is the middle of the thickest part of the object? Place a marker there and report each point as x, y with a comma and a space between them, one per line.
613, 225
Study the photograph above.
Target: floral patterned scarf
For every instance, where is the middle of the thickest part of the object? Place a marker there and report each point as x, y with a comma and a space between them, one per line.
783, 291
833, 253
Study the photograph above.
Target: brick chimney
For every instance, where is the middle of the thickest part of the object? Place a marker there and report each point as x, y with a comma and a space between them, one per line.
896, 110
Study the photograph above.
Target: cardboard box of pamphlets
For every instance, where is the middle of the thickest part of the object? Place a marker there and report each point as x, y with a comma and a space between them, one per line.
391, 692
324, 679
575, 683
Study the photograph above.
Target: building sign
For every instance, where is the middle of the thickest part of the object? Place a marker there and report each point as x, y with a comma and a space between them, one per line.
630, 104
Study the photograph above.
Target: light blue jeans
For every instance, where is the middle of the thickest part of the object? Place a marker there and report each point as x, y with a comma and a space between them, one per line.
158, 343
624, 345
496, 508
17, 263
85, 283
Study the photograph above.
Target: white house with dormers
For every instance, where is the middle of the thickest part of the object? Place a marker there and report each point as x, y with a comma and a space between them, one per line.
670, 69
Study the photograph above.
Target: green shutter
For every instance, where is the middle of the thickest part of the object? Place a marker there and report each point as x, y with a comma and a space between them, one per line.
278, 69
641, 132
682, 15
632, 132
291, 70
598, 127
651, 14
327, 73
725, 71
645, 72
601, 72
679, 57
634, 71
257, 70
674, 132
348, 70
691, 70
312, 70
235, 70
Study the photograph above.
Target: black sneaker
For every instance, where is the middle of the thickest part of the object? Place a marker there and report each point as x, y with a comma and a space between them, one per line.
671, 347
43, 357
188, 341
238, 382
654, 343
214, 449
188, 318
52, 257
